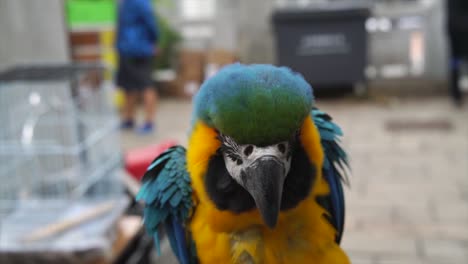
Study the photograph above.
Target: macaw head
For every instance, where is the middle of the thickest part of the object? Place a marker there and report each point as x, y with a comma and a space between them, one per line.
256, 113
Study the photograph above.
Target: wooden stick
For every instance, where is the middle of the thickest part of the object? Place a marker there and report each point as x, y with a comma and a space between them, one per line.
60, 226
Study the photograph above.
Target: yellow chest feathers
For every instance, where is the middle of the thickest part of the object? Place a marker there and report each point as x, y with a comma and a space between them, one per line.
301, 236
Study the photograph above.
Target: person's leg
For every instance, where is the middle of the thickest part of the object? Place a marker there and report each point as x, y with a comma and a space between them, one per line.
150, 96
128, 111
125, 82
454, 81
150, 100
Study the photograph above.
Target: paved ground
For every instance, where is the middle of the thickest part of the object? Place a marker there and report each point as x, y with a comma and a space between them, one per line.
408, 201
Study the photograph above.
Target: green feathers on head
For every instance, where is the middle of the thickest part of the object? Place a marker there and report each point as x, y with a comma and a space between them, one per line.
254, 104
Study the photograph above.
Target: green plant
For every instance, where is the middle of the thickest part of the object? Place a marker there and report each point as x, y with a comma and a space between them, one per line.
168, 40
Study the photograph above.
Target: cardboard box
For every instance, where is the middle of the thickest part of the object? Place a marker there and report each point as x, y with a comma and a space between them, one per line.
190, 73
220, 57
195, 66
191, 65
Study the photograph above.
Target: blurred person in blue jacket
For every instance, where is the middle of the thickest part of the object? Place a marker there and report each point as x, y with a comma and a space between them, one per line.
457, 15
137, 38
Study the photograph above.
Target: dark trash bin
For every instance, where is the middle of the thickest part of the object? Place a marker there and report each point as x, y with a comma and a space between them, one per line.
327, 45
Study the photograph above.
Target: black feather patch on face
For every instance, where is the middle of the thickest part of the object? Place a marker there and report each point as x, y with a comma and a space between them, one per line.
298, 183
223, 190
227, 194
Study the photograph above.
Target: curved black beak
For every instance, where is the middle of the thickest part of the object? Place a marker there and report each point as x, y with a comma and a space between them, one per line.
264, 181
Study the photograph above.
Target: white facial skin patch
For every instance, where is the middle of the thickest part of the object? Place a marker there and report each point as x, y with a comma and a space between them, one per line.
240, 157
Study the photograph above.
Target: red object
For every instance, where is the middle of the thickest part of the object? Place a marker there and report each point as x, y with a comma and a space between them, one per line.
137, 160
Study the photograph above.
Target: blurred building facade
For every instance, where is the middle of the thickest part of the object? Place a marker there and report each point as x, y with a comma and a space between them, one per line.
32, 32
37, 31
416, 30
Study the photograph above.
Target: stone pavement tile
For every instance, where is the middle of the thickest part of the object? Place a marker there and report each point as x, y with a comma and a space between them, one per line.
400, 260
402, 175
445, 261
397, 198
413, 194
386, 202
452, 211
448, 198
445, 250
413, 215
364, 245
362, 260
463, 186
359, 259
360, 217
443, 231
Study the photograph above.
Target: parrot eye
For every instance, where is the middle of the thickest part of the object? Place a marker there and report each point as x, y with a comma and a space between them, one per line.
282, 148
248, 150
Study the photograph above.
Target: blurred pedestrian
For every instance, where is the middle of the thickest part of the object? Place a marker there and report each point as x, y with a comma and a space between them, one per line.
457, 15
137, 37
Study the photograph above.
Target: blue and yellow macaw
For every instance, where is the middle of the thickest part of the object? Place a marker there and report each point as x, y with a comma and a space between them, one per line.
261, 179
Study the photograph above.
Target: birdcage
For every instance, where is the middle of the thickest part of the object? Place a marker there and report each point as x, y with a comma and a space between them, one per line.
59, 145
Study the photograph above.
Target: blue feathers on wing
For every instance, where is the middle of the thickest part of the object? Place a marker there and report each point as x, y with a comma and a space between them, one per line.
335, 167
167, 195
